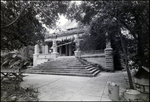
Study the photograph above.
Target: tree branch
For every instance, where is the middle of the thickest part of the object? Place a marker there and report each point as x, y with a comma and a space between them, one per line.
16, 18
127, 27
43, 12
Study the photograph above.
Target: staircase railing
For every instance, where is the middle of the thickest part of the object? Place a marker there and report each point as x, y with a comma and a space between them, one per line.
85, 62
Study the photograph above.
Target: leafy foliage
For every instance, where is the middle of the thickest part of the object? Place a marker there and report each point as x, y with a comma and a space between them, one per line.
15, 60
112, 17
25, 31
21, 21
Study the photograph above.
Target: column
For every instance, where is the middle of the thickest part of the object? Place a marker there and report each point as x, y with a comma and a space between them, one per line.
46, 49
66, 50
109, 57
35, 55
70, 49
60, 50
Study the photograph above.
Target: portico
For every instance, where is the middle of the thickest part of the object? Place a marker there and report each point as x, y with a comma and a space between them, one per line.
60, 44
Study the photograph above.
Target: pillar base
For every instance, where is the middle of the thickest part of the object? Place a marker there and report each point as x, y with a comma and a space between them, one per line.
55, 54
109, 59
77, 53
108, 50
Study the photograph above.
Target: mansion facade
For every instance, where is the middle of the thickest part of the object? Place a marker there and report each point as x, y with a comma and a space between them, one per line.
67, 43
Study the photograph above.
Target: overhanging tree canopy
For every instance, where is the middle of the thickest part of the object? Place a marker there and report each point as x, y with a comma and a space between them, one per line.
20, 24
114, 16
130, 15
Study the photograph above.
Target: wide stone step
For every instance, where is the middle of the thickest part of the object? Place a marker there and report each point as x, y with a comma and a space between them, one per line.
90, 68
64, 66
70, 74
62, 71
96, 72
78, 65
60, 66
48, 68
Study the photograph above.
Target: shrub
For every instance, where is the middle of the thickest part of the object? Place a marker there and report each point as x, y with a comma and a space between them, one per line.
14, 60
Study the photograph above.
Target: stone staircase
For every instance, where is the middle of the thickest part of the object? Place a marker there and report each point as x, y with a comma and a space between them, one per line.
66, 66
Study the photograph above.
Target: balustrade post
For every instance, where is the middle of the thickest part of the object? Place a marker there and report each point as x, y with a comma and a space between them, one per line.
46, 49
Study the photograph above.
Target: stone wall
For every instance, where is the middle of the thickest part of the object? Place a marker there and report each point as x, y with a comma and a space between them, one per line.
41, 58
96, 58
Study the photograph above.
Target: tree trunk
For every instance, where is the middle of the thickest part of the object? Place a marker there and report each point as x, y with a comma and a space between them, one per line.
140, 50
126, 63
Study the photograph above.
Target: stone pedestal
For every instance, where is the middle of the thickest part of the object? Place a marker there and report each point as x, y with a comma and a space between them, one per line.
55, 54
46, 49
77, 53
54, 45
35, 56
109, 59
36, 49
54, 49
